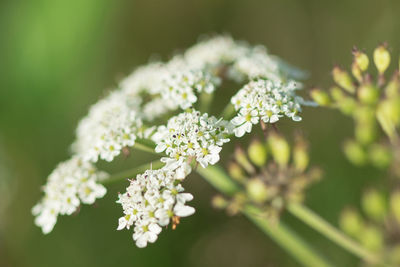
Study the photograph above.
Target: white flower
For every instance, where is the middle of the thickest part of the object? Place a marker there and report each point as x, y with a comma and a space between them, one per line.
214, 52
110, 125
192, 135
265, 100
181, 82
151, 201
244, 121
208, 154
146, 232
72, 182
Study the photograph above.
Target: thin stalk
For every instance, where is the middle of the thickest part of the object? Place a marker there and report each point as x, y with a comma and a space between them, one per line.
132, 172
145, 145
322, 226
205, 101
287, 239
228, 112
292, 243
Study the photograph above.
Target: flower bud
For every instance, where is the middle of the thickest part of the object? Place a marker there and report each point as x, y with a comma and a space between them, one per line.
355, 153
374, 204
320, 97
364, 114
361, 60
241, 158
395, 205
351, 222
236, 172
280, 149
300, 155
355, 70
385, 114
257, 153
345, 103
219, 202
365, 133
372, 238
343, 79
380, 156
381, 58
392, 89
257, 190
368, 94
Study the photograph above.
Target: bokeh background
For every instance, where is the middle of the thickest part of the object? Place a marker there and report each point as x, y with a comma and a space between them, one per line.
59, 57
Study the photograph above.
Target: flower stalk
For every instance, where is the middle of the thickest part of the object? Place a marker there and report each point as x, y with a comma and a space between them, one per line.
319, 224
280, 233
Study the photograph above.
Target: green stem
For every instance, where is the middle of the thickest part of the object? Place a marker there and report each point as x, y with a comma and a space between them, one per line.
132, 172
145, 145
286, 238
205, 101
293, 244
320, 225
228, 112
218, 178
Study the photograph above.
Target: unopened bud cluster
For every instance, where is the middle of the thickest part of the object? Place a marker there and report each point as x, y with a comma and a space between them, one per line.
377, 227
374, 105
272, 174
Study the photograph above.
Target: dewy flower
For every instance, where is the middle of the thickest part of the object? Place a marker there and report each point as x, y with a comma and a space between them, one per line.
192, 135
267, 101
110, 126
151, 201
72, 182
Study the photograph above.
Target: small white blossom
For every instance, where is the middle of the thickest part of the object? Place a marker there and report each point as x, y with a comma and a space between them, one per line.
265, 100
110, 126
214, 52
192, 135
151, 201
72, 182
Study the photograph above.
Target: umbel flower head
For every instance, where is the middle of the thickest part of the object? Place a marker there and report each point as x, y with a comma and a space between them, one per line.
265, 100
377, 225
192, 135
73, 182
151, 201
110, 126
158, 105
273, 183
374, 106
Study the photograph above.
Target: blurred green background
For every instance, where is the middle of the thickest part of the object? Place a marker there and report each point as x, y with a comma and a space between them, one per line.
59, 57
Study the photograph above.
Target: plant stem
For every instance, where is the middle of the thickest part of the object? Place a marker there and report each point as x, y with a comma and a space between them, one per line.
205, 101
145, 145
132, 172
322, 226
286, 238
218, 178
228, 112
280, 233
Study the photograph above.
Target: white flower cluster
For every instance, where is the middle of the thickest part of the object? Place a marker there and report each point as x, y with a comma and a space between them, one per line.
265, 100
214, 52
151, 201
110, 126
192, 135
71, 183
180, 88
151, 93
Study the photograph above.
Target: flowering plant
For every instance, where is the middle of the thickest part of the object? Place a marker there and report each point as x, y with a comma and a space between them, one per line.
164, 108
